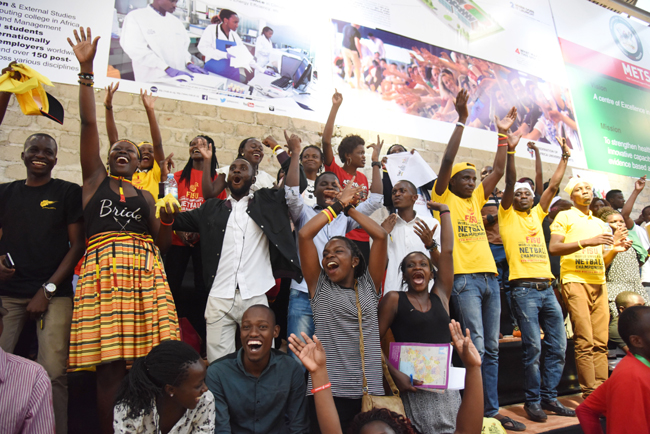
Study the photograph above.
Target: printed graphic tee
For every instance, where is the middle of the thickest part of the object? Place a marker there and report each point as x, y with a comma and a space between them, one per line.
472, 252
360, 180
524, 243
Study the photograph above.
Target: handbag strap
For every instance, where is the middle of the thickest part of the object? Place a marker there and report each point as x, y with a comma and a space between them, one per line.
384, 366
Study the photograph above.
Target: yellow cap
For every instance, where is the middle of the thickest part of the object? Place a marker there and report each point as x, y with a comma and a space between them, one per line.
459, 167
573, 182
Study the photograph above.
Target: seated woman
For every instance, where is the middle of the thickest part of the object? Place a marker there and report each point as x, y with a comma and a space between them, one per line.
339, 287
421, 317
165, 392
123, 306
380, 420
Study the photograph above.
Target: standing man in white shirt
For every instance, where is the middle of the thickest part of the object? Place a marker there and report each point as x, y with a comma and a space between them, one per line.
246, 242
157, 43
264, 47
216, 39
409, 231
379, 45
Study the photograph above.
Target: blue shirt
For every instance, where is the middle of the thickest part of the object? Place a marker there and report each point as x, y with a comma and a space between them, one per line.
274, 402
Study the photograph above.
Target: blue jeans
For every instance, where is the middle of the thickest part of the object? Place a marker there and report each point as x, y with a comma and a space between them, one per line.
477, 303
300, 318
533, 309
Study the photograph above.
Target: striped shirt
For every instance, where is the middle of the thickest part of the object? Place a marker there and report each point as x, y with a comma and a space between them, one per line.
25, 397
337, 326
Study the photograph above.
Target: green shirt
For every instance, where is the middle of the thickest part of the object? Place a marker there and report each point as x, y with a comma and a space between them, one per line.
643, 360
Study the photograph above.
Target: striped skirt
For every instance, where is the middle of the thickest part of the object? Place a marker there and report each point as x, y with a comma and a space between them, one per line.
122, 306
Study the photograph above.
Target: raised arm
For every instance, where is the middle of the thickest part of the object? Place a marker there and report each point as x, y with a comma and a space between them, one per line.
328, 154
470, 413
444, 175
554, 183
211, 188
293, 174
639, 185
378, 249
511, 178
376, 184
111, 128
445, 281
92, 168
148, 101
539, 175
498, 167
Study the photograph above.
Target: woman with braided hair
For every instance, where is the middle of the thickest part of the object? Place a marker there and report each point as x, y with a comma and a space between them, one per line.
165, 392
123, 306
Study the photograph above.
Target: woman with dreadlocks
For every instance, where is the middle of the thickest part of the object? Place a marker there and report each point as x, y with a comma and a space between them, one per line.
165, 393
336, 288
123, 306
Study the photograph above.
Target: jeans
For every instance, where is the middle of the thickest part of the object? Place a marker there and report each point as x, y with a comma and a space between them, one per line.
476, 301
300, 318
533, 309
499, 255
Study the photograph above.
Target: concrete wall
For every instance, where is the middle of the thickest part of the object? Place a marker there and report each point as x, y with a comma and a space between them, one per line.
181, 121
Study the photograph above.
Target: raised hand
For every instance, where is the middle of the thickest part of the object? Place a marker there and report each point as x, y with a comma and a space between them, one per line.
168, 212
337, 98
563, 144
167, 165
513, 140
293, 143
639, 185
389, 223
350, 194
376, 148
148, 100
461, 104
270, 142
464, 346
422, 230
85, 48
205, 149
110, 91
437, 206
310, 352
532, 146
504, 124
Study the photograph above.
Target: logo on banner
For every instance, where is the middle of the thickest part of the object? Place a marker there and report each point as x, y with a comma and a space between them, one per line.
153, 89
251, 104
222, 99
626, 38
271, 108
204, 97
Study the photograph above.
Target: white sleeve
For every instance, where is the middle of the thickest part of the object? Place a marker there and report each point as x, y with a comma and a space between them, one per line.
208, 44
539, 126
372, 204
295, 202
135, 45
262, 48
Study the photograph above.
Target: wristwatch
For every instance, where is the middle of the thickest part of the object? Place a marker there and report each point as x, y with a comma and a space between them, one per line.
376, 164
433, 245
49, 289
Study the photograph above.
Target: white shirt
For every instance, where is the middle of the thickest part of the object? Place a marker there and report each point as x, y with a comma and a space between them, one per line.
263, 50
379, 48
208, 43
262, 179
309, 196
245, 259
402, 241
154, 43
645, 242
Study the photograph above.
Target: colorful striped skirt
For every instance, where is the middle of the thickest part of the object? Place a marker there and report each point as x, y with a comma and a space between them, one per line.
122, 306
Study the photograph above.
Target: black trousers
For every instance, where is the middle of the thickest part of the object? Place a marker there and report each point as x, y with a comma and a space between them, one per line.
185, 280
347, 409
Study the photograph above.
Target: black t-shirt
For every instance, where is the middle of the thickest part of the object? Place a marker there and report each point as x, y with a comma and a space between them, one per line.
349, 33
34, 224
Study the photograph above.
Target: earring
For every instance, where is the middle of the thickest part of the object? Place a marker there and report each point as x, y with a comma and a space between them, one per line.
171, 394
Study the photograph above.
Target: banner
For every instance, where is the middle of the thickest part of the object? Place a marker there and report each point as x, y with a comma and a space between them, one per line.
609, 76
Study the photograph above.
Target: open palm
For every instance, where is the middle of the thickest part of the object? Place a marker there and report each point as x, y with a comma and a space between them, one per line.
310, 352
509, 119
84, 49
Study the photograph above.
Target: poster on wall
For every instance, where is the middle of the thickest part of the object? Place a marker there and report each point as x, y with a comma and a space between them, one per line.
404, 66
609, 78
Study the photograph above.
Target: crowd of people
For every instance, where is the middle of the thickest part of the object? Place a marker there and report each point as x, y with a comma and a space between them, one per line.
100, 269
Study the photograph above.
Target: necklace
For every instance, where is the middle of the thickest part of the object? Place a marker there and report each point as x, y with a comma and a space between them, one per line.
419, 304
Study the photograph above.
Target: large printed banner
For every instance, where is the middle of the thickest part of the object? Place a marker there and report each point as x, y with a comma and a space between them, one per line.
609, 76
397, 64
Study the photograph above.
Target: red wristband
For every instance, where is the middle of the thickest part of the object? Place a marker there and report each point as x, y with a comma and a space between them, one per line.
501, 144
166, 224
323, 387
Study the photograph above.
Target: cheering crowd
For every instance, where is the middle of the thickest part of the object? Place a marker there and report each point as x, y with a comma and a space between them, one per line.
447, 250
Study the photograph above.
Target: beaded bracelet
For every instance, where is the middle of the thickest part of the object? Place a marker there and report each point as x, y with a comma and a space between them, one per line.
323, 387
85, 84
86, 75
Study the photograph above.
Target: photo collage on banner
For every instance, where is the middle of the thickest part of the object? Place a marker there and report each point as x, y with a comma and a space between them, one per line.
398, 65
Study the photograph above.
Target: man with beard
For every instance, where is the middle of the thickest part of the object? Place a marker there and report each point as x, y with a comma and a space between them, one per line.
245, 240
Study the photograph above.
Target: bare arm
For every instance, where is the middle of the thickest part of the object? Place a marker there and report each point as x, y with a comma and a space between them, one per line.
111, 128
554, 183
377, 184
539, 176
639, 185
378, 249
557, 246
444, 175
470, 415
328, 154
211, 189
5, 97
511, 179
293, 174
503, 126
148, 102
77, 249
445, 281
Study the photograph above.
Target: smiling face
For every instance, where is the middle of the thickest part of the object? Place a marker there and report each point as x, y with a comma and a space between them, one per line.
240, 178
522, 200
326, 190
582, 195
417, 271
196, 145
258, 329
123, 159
338, 261
147, 160
463, 183
311, 160
253, 151
188, 393
39, 155
403, 195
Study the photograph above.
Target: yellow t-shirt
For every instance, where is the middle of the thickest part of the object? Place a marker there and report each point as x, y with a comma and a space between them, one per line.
148, 180
524, 243
472, 252
586, 265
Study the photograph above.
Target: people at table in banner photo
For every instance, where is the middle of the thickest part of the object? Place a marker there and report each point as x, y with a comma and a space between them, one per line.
301, 285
